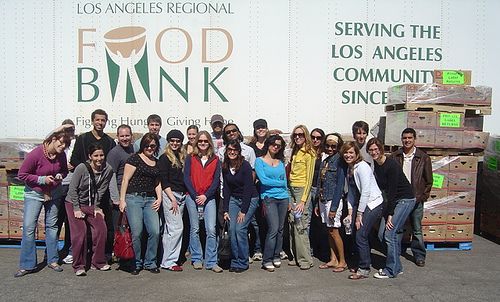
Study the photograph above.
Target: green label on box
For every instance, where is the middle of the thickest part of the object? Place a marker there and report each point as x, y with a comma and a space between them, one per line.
16, 193
451, 77
437, 180
450, 120
492, 163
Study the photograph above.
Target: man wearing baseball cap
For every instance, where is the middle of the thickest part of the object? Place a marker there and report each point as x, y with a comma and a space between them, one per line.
217, 124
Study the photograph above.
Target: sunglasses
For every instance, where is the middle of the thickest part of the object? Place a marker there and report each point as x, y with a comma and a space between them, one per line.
316, 138
203, 141
231, 131
277, 146
328, 146
232, 150
151, 146
299, 135
175, 140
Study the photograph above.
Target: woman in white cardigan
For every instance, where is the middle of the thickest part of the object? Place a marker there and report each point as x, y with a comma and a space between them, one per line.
365, 195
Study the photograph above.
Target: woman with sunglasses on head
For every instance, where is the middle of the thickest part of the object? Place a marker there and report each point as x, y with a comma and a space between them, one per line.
400, 202
42, 171
202, 177
171, 163
240, 202
367, 203
141, 194
330, 185
88, 185
191, 133
271, 172
300, 180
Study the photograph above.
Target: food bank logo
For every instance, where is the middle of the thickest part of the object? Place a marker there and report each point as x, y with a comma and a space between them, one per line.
128, 68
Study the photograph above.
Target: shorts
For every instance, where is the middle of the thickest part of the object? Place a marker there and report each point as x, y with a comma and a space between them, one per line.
324, 209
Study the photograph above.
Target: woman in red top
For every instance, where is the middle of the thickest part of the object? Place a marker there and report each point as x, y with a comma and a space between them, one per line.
201, 177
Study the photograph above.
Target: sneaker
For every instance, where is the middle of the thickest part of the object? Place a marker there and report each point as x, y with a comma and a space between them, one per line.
381, 275
277, 263
197, 265
217, 269
420, 262
382, 270
106, 267
250, 260
81, 273
292, 263
305, 266
68, 259
283, 255
268, 267
257, 256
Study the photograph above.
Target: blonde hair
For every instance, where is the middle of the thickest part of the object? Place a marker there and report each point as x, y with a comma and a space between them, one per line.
170, 154
210, 151
308, 146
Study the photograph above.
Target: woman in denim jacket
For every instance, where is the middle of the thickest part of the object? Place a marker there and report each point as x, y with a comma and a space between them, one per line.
330, 186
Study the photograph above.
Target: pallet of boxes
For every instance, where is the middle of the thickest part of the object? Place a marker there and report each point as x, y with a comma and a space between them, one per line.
447, 116
490, 190
12, 153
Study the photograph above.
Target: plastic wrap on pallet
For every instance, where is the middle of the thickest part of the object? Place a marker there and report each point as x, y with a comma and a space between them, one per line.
439, 94
452, 198
13, 151
493, 145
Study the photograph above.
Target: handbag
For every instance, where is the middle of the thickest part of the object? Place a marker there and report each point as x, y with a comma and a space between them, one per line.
123, 247
224, 249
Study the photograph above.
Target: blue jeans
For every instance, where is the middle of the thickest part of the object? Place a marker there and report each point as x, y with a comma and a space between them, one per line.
238, 232
275, 212
139, 214
394, 236
370, 217
33, 203
417, 241
210, 218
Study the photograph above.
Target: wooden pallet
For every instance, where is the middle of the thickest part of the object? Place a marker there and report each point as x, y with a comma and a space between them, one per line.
448, 246
440, 151
459, 108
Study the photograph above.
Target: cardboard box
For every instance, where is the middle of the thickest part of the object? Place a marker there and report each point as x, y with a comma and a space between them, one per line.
429, 94
474, 123
440, 164
463, 199
449, 139
462, 181
4, 209
4, 228
4, 193
435, 216
493, 144
3, 178
411, 119
16, 210
461, 232
452, 77
15, 229
475, 139
434, 233
463, 163
437, 194
460, 215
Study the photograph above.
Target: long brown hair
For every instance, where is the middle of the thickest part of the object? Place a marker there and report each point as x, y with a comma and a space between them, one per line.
348, 145
307, 144
238, 162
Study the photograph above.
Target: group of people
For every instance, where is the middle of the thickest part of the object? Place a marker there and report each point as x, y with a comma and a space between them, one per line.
89, 181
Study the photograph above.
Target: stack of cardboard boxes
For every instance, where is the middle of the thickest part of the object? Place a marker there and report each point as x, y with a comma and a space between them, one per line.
490, 187
448, 117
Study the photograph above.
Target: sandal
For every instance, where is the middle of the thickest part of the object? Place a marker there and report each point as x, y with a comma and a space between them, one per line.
56, 267
357, 276
339, 269
326, 266
22, 272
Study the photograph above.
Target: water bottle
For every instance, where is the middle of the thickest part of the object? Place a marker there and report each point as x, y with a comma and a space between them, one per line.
297, 218
200, 212
347, 225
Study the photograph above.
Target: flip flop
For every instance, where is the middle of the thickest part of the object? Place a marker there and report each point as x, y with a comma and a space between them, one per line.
326, 266
339, 269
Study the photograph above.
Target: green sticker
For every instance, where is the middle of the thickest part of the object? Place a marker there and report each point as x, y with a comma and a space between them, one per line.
437, 180
450, 120
497, 146
451, 77
492, 163
16, 193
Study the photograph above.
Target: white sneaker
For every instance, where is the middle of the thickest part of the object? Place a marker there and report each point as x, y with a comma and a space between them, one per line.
257, 256
81, 272
277, 263
283, 255
250, 260
268, 267
68, 259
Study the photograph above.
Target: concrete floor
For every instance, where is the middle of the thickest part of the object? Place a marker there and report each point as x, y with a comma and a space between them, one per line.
448, 276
